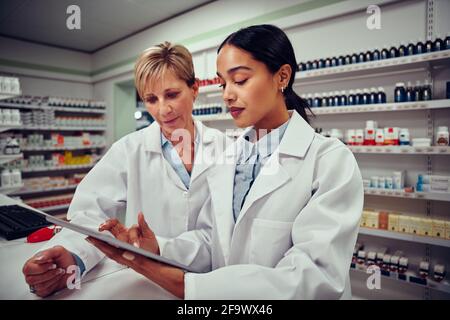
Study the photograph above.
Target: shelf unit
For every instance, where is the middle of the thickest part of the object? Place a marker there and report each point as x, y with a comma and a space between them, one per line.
6, 128
408, 195
4, 158
68, 130
58, 128
420, 62
443, 286
21, 192
29, 149
434, 150
60, 168
403, 106
10, 190
384, 107
365, 69
55, 108
405, 237
214, 117
55, 208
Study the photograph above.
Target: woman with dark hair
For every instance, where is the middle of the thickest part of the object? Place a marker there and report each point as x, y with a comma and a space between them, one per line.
286, 203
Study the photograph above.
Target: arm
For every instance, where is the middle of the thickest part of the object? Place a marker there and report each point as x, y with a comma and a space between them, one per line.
100, 196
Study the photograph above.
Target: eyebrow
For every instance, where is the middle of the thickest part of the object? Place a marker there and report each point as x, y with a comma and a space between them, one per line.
234, 69
168, 89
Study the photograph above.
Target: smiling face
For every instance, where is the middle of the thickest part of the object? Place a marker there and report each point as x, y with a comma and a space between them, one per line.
250, 91
170, 101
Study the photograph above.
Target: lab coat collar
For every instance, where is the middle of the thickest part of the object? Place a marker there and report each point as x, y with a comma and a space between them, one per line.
153, 136
205, 137
297, 138
206, 151
295, 143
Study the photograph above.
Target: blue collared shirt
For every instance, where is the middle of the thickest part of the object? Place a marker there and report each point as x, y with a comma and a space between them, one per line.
253, 155
172, 156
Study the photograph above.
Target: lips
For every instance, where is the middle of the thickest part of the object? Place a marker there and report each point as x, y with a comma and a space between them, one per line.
235, 111
170, 121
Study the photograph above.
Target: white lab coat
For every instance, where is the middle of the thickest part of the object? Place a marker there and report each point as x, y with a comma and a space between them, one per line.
295, 234
134, 176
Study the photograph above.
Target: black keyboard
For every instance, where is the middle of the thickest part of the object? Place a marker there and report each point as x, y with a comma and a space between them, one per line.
18, 222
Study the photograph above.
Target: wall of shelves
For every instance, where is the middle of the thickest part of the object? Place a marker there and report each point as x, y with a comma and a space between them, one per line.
55, 180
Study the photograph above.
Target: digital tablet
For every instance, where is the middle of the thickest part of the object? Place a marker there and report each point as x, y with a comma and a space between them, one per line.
111, 240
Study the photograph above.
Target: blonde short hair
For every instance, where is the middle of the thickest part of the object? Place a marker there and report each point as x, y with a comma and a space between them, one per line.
156, 60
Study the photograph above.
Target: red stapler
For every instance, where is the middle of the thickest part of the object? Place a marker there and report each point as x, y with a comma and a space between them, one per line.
43, 234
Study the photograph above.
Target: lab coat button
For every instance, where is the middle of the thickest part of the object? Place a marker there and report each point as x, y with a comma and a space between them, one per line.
186, 194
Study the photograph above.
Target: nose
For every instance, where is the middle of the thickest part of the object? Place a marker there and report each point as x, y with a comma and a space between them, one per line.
165, 109
228, 95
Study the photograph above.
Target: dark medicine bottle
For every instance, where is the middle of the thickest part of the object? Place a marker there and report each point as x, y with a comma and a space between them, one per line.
373, 96
411, 48
361, 57
301, 66
402, 51
381, 97
347, 59
368, 56
351, 101
385, 53
426, 92
420, 47
447, 42
376, 55
438, 44
400, 92
343, 98
393, 52
429, 46
410, 95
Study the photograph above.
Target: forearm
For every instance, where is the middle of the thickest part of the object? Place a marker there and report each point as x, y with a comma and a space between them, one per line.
169, 278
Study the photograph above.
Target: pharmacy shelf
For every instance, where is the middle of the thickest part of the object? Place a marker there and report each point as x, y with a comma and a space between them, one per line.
443, 286
435, 150
28, 149
8, 158
400, 106
60, 168
4, 96
10, 190
21, 192
55, 108
405, 237
367, 69
58, 128
54, 208
214, 117
407, 195
8, 127
210, 88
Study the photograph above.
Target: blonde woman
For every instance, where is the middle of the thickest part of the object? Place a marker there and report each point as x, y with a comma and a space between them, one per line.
159, 171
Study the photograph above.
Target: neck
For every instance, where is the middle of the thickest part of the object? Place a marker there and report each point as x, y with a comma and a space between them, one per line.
272, 120
190, 127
